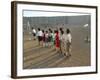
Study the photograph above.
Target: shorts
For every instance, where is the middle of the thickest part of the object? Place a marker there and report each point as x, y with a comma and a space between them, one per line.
34, 34
49, 39
46, 39
39, 38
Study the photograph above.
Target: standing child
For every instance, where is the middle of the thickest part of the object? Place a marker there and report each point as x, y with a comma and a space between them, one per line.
43, 38
57, 41
63, 43
49, 37
34, 33
39, 34
54, 37
69, 41
46, 38
61, 32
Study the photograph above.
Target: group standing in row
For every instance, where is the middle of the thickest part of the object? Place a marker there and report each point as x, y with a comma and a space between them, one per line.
59, 38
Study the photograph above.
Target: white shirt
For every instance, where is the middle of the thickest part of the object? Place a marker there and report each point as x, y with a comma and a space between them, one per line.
66, 37
60, 36
69, 38
47, 35
63, 37
40, 33
34, 31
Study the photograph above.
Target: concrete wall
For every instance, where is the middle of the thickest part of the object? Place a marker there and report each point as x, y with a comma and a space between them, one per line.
79, 19
52, 21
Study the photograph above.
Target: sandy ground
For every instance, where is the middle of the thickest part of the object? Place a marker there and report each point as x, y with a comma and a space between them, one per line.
36, 56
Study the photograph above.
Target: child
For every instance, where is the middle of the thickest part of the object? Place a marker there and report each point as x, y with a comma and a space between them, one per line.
49, 37
69, 41
63, 43
52, 38
46, 39
61, 32
57, 41
39, 34
34, 33
43, 38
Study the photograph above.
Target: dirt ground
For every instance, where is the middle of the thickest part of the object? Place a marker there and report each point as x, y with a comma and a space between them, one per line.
36, 56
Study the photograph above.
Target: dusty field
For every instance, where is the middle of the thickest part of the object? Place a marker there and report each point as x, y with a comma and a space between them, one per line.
36, 56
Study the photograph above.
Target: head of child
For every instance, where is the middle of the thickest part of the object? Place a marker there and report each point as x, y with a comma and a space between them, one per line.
49, 29
60, 29
62, 32
43, 31
67, 31
32, 28
54, 31
38, 29
57, 32
46, 32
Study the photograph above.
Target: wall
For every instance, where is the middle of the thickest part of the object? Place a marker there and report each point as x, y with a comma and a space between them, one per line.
79, 19
5, 41
57, 20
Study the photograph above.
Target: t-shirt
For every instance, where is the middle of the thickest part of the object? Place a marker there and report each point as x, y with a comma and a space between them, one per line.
46, 35
69, 37
60, 35
63, 37
40, 33
34, 31
66, 37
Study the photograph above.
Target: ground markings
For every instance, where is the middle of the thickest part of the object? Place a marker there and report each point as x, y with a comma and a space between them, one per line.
40, 57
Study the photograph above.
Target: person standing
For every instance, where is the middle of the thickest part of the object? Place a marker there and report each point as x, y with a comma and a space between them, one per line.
34, 33
39, 34
46, 39
60, 35
52, 38
69, 42
57, 41
63, 43
49, 37
43, 38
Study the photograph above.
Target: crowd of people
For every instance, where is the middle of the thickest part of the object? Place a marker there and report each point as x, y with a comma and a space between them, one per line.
59, 38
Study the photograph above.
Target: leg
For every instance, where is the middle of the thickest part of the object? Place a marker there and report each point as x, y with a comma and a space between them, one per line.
69, 49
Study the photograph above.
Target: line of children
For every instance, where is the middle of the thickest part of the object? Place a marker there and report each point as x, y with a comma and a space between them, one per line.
60, 39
